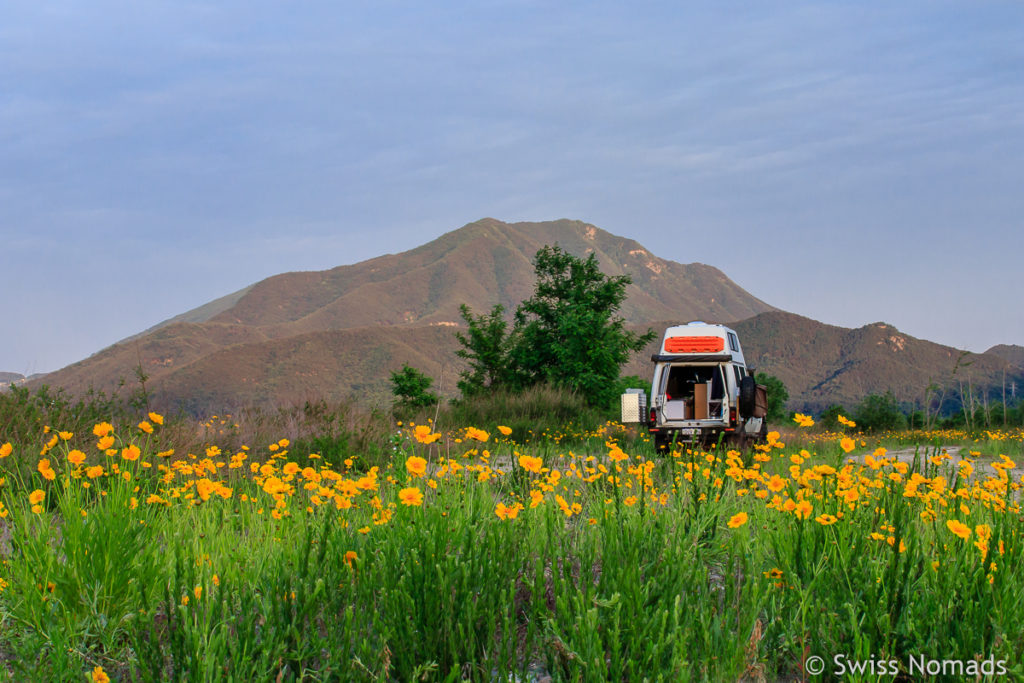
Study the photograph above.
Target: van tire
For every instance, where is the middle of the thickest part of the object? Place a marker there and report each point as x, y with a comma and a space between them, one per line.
748, 396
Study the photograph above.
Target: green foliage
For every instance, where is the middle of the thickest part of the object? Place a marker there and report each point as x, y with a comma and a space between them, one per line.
412, 389
567, 334
830, 417
487, 347
879, 412
536, 410
571, 333
777, 396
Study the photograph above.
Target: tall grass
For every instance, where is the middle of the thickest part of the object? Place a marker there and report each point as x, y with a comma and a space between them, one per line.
583, 564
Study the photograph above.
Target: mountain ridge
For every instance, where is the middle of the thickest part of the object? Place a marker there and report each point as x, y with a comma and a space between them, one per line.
340, 331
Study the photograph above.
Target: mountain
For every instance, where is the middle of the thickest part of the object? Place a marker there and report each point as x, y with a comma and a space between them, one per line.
334, 332
824, 364
1011, 353
9, 378
340, 332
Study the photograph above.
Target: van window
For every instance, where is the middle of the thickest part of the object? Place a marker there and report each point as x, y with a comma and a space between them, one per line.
681, 379
734, 343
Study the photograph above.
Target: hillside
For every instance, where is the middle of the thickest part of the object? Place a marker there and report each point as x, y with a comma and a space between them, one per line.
382, 309
823, 364
1011, 353
340, 332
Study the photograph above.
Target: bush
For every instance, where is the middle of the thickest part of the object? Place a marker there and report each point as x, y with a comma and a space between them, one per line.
880, 412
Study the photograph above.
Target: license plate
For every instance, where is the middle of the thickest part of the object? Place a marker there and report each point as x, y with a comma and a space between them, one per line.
689, 431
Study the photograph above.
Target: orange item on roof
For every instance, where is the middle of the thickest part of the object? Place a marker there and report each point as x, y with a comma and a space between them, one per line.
694, 345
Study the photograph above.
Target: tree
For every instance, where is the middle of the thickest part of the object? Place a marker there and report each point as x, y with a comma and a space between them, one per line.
487, 347
412, 389
880, 412
777, 396
569, 332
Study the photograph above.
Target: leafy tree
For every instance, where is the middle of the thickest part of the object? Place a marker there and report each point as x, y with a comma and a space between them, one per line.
412, 389
777, 396
570, 333
487, 347
879, 412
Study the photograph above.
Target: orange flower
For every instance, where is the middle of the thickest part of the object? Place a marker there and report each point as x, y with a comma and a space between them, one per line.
146, 427
959, 528
45, 470
350, 557
477, 434
6, 449
531, 463
99, 675
105, 442
131, 453
803, 509
411, 496
416, 466
737, 520
76, 457
103, 429
847, 444
505, 431
156, 418
424, 435
36, 497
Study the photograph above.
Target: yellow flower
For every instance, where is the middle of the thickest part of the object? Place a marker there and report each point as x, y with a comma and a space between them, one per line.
94, 471
847, 444
825, 520
531, 463
846, 421
45, 470
411, 496
36, 497
6, 450
803, 509
99, 675
505, 431
131, 453
803, 420
416, 466
959, 528
105, 442
146, 427
156, 418
737, 520
351, 557
76, 457
65, 436
424, 435
477, 434
103, 429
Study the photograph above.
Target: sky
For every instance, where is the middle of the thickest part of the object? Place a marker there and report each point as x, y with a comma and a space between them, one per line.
852, 162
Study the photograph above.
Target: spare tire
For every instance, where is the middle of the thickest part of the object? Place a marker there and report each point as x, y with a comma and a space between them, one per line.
748, 396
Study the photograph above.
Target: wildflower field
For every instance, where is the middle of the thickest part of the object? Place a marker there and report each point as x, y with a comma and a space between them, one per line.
471, 555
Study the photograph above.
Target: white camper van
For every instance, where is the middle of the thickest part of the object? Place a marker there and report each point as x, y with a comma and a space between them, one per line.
702, 391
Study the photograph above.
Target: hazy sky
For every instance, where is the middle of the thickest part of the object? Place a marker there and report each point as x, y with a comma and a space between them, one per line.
852, 162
